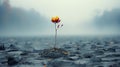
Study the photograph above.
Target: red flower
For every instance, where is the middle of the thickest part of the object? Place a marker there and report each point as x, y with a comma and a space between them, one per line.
55, 19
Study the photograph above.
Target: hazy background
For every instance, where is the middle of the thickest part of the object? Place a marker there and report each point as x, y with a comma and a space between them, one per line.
80, 17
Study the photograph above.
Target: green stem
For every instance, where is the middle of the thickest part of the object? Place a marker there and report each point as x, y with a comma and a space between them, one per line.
55, 36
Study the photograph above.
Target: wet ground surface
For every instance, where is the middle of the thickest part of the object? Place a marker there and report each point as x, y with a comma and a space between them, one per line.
82, 52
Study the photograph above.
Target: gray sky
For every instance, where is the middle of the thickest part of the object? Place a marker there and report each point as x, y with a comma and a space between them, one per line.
76, 15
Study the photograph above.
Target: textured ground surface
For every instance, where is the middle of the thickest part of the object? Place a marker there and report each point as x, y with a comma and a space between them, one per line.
82, 52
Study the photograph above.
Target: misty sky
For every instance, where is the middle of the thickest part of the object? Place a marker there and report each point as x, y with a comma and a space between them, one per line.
80, 17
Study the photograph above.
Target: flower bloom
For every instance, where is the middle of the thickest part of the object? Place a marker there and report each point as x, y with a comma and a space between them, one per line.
55, 19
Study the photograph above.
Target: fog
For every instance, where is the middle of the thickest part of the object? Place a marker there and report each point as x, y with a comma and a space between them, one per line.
79, 17
18, 21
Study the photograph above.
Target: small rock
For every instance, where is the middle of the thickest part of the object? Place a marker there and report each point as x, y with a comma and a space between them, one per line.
24, 53
2, 47
88, 55
12, 61
73, 58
